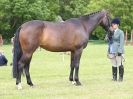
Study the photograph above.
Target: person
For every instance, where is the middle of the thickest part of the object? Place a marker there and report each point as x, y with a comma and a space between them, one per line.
3, 59
116, 49
12, 42
1, 40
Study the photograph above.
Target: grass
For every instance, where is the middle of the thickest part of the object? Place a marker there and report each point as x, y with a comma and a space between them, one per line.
50, 76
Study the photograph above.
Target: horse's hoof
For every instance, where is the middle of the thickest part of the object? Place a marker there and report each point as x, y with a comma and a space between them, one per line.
19, 87
73, 82
78, 83
71, 79
32, 86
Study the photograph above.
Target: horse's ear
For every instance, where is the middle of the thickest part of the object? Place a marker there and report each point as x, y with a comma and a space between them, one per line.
107, 10
103, 10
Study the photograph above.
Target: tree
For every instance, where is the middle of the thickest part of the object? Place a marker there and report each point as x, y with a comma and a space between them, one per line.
73, 8
120, 8
13, 13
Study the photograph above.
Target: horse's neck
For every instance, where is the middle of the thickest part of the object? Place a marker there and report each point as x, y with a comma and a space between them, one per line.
92, 23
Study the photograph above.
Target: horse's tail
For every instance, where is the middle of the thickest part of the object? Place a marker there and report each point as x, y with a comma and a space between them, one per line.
17, 53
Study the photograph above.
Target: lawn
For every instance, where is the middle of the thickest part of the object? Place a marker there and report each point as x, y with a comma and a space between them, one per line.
50, 73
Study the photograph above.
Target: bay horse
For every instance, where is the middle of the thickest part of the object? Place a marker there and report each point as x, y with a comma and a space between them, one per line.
71, 35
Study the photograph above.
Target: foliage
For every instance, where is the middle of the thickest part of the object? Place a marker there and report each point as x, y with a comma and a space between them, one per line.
73, 8
13, 13
16, 12
121, 8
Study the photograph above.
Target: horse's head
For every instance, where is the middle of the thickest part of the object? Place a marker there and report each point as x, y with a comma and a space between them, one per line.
105, 21
106, 24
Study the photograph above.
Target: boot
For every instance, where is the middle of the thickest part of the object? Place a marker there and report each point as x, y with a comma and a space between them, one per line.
121, 72
114, 73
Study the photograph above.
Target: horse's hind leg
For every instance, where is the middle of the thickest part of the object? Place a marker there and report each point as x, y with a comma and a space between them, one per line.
20, 70
22, 63
26, 68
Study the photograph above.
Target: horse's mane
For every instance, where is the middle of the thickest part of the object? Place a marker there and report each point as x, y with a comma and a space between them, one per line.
93, 13
87, 16
90, 14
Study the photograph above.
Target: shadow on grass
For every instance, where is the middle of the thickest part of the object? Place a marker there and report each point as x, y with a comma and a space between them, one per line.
97, 42
90, 42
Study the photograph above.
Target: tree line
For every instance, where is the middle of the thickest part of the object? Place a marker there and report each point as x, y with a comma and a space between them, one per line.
13, 13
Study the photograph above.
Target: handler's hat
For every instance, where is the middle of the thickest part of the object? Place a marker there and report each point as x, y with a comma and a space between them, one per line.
116, 21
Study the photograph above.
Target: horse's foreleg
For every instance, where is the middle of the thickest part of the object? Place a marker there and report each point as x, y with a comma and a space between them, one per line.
77, 56
71, 67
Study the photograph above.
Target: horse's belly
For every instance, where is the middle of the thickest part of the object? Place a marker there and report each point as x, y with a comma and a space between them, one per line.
60, 42
62, 47
56, 48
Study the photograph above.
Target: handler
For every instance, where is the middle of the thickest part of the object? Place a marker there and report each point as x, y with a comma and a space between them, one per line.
116, 49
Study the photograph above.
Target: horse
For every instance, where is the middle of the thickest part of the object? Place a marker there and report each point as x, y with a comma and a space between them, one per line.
71, 35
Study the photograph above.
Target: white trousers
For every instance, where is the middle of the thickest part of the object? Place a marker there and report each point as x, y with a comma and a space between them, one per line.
116, 60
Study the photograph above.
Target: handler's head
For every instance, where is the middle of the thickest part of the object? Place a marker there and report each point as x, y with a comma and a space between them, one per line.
115, 23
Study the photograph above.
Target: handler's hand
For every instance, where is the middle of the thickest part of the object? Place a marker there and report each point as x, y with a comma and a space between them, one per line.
119, 54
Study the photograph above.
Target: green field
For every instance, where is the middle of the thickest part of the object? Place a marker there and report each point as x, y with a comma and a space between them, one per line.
50, 73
